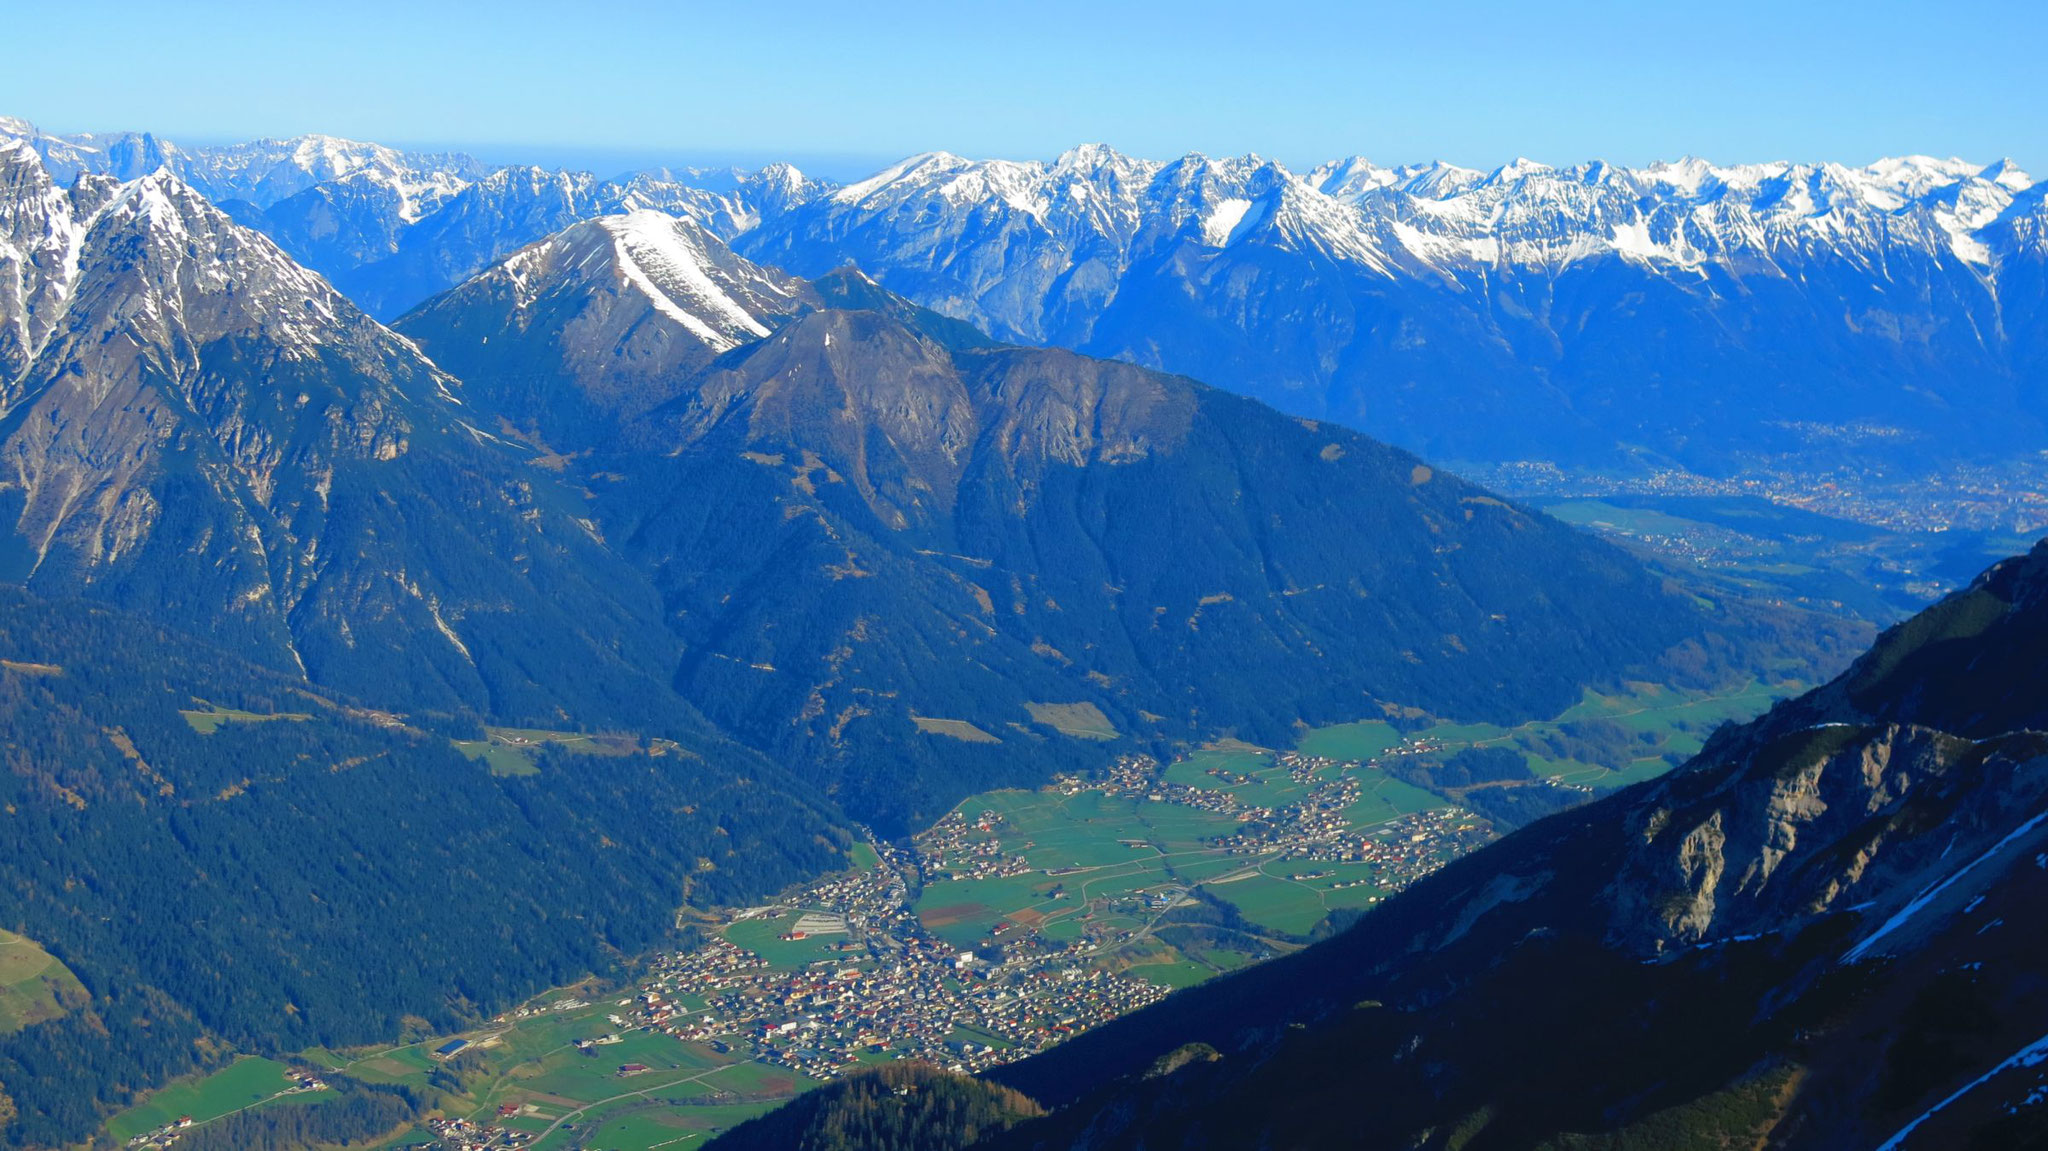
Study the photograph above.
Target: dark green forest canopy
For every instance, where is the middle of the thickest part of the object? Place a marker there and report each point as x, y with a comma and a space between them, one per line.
282, 884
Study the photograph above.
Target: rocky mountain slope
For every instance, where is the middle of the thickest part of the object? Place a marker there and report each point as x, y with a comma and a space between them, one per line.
593, 327
235, 861
1815, 935
195, 427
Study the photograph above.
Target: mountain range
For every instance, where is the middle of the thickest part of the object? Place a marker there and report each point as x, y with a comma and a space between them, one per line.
808, 551
627, 476
1681, 314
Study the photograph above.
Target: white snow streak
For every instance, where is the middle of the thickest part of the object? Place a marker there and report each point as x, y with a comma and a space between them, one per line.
1906, 913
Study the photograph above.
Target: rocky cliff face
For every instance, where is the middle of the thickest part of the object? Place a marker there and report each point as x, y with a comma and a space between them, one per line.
197, 427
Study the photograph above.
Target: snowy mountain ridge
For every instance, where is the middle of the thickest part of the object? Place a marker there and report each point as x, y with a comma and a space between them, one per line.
1414, 216
260, 172
1428, 215
1585, 312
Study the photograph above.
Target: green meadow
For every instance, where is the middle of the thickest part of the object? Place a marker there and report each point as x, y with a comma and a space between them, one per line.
34, 986
238, 1086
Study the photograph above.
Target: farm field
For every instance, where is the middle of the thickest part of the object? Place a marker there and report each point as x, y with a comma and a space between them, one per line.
209, 720
1080, 720
512, 750
646, 1126
1667, 725
760, 936
531, 1067
33, 984
1362, 740
242, 1084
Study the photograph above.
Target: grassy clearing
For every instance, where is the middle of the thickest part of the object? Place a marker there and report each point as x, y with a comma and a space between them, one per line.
34, 986
1199, 768
1388, 798
1279, 904
1669, 725
240, 1085
1079, 720
210, 720
760, 936
1174, 973
574, 1075
635, 1125
409, 1065
958, 729
1361, 741
512, 750
500, 759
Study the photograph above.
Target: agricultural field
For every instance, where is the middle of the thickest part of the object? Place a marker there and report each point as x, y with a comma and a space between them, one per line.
512, 750
652, 1125
525, 1074
1363, 740
958, 729
209, 720
1080, 720
1667, 725
34, 986
1386, 798
238, 1086
761, 936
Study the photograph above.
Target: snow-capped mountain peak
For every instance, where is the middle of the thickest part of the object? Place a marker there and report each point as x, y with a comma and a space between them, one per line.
666, 259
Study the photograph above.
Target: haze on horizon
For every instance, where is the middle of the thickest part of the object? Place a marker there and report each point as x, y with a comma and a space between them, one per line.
843, 89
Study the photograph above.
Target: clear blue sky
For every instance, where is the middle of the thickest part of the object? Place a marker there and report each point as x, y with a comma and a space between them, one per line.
846, 84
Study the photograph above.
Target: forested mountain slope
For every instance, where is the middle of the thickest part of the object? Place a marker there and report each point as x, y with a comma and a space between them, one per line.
290, 868
194, 427
870, 516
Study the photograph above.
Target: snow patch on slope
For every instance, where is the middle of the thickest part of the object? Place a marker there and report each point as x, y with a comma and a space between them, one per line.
1223, 220
663, 264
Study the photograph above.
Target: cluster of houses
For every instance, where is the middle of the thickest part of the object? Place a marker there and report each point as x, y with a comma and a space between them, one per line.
901, 991
163, 1136
1129, 775
959, 847
894, 989
470, 1135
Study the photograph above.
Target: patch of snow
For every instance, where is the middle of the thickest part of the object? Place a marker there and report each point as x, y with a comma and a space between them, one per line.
1920, 902
670, 270
2032, 1055
1223, 220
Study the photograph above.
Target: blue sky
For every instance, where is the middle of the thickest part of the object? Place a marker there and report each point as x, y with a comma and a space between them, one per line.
846, 85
